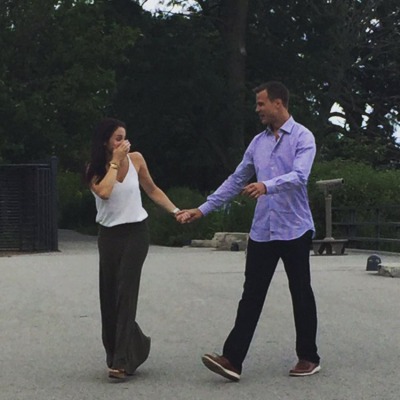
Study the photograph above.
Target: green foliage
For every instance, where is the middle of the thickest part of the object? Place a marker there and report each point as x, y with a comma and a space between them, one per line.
363, 185
76, 205
57, 76
173, 98
65, 64
237, 215
164, 230
333, 53
364, 188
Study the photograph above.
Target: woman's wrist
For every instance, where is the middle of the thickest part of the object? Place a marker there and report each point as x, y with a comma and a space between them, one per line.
175, 211
114, 164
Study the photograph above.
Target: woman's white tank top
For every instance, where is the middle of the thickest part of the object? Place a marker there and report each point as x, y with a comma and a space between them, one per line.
124, 204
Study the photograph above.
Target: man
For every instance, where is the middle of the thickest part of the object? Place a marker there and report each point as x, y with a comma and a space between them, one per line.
281, 157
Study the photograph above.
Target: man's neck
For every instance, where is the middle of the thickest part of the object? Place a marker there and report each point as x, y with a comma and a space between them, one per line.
275, 126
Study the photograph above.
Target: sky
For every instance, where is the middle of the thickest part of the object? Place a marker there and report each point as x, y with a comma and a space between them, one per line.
150, 5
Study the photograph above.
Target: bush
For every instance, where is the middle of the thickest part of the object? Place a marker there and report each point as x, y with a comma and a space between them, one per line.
76, 206
363, 187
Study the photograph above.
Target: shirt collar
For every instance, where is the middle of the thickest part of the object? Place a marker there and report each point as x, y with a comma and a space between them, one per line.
285, 128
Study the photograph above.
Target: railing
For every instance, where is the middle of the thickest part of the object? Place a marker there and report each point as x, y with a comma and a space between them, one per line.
371, 227
28, 207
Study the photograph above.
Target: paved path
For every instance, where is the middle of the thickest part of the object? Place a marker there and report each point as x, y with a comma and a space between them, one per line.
50, 346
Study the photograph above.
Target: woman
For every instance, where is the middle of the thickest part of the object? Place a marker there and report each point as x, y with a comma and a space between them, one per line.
114, 175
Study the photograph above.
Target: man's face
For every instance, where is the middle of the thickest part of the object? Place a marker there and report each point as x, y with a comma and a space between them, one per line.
266, 109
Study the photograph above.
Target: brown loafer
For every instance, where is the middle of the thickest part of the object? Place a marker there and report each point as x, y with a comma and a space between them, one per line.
221, 365
305, 368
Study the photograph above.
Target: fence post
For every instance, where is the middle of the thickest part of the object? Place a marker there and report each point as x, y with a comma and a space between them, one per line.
54, 201
353, 226
377, 228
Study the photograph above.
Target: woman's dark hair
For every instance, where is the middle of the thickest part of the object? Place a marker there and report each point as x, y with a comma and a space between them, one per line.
101, 135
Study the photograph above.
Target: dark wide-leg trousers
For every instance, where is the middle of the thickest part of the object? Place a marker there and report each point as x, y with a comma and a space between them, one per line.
262, 259
122, 251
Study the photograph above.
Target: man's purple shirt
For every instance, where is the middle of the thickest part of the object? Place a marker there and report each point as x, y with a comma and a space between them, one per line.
284, 167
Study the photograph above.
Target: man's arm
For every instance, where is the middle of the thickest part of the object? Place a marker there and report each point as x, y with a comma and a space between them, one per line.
232, 186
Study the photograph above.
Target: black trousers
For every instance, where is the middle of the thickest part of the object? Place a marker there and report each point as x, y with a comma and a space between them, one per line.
123, 250
261, 262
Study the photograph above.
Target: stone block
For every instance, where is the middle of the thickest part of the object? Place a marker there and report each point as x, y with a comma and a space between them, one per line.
231, 240
389, 269
224, 241
203, 243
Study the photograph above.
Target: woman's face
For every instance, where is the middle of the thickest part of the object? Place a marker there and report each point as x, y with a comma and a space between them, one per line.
116, 139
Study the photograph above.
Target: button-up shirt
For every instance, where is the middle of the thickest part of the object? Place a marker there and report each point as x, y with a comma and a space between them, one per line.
283, 165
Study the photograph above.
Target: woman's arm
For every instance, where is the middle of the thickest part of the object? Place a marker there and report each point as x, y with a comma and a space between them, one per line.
148, 185
104, 188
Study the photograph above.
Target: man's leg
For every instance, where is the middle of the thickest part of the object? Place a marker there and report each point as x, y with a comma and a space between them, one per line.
261, 262
296, 259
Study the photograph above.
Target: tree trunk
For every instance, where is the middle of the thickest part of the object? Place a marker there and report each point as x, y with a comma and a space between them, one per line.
232, 27
230, 19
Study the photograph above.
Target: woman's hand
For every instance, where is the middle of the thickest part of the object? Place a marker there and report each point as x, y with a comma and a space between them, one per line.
120, 152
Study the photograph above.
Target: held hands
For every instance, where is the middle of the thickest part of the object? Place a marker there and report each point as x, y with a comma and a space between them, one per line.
187, 216
254, 190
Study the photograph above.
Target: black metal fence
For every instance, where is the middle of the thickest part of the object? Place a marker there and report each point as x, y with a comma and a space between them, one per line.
375, 228
28, 207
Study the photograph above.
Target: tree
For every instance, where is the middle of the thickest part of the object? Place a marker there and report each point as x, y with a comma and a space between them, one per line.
58, 76
332, 52
182, 81
229, 17
173, 99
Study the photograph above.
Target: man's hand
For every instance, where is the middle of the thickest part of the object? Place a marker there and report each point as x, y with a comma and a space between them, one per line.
254, 190
187, 216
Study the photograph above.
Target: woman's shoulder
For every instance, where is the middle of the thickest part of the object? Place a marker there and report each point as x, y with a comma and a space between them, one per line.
136, 157
137, 160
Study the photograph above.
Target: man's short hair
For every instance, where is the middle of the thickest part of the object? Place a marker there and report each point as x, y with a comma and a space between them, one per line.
275, 90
